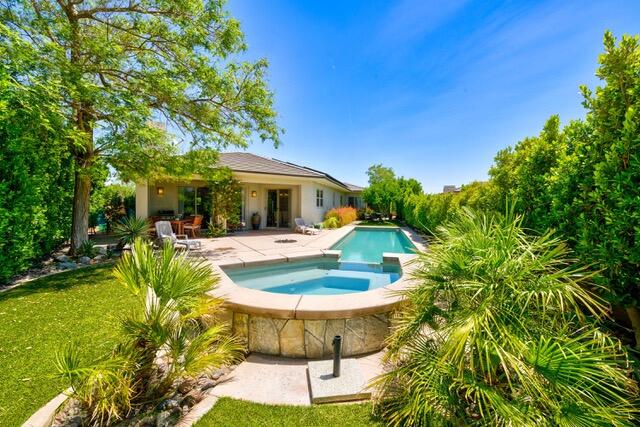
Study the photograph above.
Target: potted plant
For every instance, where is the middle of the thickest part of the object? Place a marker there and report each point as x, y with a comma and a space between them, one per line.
255, 220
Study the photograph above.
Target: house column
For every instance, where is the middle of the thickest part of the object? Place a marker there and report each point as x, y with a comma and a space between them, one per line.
142, 200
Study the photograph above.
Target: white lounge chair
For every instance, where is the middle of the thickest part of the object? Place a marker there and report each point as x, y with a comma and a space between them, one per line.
303, 228
165, 232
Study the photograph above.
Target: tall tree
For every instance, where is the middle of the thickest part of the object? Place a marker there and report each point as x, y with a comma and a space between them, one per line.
609, 176
124, 64
383, 189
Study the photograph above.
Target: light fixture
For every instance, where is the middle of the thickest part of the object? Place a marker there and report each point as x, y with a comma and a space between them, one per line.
160, 191
254, 193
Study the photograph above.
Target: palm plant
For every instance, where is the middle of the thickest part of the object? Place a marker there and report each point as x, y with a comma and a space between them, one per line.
131, 228
171, 338
495, 333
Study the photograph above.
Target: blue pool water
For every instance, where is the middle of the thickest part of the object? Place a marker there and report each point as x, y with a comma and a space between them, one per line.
315, 277
368, 244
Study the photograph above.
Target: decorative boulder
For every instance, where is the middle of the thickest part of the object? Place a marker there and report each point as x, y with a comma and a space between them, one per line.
85, 260
62, 258
67, 265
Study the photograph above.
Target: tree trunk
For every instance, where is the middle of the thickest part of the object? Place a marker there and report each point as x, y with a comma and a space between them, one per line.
634, 316
80, 219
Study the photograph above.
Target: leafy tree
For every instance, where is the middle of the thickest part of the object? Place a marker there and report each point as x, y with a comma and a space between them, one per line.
494, 333
122, 66
522, 174
226, 192
407, 188
604, 173
383, 190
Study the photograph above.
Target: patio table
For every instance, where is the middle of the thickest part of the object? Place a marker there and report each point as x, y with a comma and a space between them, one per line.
178, 225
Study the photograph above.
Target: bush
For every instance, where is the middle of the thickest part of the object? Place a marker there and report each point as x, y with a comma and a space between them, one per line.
111, 203
87, 249
494, 333
37, 174
131, 228
169, 340
331, 223
343, 215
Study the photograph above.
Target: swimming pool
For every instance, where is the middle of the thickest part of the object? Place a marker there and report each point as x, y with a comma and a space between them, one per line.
366, 244
315, 277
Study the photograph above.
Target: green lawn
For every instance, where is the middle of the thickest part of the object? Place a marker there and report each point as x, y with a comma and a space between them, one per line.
38, 318
42, 316
231, 412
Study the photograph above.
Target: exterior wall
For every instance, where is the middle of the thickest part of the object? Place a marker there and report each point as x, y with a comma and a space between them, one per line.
302, 197
332, 199
142, 200
259, 202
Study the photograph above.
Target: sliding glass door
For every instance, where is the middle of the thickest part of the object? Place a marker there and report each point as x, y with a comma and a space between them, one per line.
278, 208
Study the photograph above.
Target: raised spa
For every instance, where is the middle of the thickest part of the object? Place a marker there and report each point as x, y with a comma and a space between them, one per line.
316, 277
295, 306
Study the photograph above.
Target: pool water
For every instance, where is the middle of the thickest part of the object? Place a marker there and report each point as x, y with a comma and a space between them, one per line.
368, 244
315, 277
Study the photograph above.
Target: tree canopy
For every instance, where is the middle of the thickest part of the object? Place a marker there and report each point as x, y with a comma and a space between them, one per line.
122, 67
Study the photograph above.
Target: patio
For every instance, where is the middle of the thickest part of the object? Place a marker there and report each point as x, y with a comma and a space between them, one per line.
267, 245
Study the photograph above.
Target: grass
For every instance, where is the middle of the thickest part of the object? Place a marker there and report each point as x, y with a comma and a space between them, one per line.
40, 317
231, 412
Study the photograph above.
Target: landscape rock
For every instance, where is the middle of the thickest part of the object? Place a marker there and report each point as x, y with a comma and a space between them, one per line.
99, 257
102, 250
85, 260
206, 383
62, 258
186, 386
192, 398
169, 404
68, 265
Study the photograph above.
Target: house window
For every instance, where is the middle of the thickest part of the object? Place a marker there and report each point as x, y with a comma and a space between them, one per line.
319, 198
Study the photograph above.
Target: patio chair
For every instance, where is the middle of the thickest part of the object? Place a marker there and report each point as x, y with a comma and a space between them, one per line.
193, 226
165, 232
303, 228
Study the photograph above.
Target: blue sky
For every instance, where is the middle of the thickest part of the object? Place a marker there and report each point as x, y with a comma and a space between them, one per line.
431, 89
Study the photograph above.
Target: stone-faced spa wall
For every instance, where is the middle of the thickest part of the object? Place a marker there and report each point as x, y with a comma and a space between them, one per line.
311, 339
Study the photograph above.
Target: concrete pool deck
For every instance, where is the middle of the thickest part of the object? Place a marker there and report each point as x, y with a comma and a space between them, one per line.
282, 381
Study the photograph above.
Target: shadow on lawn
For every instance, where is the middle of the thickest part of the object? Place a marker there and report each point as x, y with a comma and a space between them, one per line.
60, 281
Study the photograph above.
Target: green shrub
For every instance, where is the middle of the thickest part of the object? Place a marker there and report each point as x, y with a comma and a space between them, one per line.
131, 228
494, 333
86, 249
331, 223
343, 215
174, 319
37, 174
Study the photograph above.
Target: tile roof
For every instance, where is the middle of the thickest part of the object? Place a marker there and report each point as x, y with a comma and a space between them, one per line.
252, 163
353, 187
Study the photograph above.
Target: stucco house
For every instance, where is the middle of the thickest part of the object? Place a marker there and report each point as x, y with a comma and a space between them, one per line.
279, 191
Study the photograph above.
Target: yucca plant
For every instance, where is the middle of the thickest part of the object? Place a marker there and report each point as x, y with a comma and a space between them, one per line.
131, 228
501, 328
171, 338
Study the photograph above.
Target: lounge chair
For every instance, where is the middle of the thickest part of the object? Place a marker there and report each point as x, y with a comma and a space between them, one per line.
303, 228
165, 232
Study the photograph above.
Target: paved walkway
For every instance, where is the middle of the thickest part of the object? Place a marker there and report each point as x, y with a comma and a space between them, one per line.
281, 381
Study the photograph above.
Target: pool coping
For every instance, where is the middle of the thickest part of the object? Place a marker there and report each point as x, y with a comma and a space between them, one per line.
316, 307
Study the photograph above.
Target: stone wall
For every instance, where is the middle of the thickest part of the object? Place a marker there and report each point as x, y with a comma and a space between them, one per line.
311, 339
